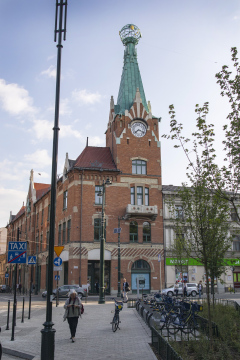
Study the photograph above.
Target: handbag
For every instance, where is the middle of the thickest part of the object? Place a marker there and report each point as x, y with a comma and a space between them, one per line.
65, 315
128, 289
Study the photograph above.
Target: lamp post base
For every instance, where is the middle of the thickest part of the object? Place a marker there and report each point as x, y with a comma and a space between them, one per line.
101, 301
48, 341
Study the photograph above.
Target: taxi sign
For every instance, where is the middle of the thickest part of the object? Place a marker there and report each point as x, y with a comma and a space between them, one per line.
58, 250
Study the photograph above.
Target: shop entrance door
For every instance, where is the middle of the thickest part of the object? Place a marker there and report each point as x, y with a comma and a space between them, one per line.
94, 273
236, 280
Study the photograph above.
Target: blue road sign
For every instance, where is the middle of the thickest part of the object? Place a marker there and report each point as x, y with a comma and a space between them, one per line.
117, 230
17, 252
57, 261
55, 277
6, 275
32, 260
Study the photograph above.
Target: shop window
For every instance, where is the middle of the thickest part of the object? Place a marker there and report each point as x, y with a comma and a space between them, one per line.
146, 232
133, 231
139, 167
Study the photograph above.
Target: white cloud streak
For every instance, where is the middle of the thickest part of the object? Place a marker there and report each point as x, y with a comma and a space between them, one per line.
50, 72
85, 97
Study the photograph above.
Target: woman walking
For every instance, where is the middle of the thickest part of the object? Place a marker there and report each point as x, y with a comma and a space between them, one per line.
73, 308
125, 290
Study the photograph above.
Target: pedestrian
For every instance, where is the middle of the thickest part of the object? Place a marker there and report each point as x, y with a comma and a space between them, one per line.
97, 286
73, 309
200, 289
185, 290
17, 288
126, 289
20, 288
176, 287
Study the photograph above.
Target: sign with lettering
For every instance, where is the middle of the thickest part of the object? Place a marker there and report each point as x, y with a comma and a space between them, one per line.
17, 252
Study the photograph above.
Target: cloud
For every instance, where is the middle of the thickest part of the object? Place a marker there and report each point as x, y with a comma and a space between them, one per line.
50, 72
38, 159
85, 97
43, 130
11, 200
96, 141
15, 99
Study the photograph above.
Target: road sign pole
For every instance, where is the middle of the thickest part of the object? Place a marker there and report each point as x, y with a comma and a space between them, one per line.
15, 295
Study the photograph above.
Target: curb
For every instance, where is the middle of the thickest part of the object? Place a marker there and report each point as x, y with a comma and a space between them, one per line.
18, 354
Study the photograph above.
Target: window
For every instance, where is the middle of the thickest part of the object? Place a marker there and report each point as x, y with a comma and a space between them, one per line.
64, 233
41, 243
147, 196
49, 208
139, 167
139, 195
132, 195
30, 223
59, 234
133, 231
140, 264
98, 199
146, 232
68, 230
234, 215
178, 211
37, 219
97, 229
236, 242
65, 196
47, 239
42, 215
37, 239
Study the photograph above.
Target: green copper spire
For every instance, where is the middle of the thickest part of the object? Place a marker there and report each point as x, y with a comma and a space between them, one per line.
131, 78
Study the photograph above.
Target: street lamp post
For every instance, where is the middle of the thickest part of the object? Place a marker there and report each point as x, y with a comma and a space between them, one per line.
48, 333
102, 243
119, 257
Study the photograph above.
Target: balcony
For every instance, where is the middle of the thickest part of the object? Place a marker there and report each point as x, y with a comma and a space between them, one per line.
150, 212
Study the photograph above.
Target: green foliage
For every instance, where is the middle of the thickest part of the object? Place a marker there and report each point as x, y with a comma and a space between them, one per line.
225, 347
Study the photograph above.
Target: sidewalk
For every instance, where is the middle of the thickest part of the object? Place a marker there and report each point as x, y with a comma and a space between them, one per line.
94, 338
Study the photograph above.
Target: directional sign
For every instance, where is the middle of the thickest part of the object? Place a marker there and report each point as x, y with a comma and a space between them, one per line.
57, 261
17, 252
57, 277
6, 275
58, 250
32, 260
117, 230
159, 257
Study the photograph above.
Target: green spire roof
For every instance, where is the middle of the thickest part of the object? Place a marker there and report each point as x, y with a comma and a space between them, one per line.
131, 77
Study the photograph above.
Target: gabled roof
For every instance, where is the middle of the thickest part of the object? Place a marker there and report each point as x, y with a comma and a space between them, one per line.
41, 189
21, 212
98, 158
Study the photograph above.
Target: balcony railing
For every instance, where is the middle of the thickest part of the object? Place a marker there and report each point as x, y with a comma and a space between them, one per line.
142, 210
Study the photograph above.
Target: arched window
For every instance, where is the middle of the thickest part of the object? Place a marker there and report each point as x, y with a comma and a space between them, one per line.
133, 231
141, 265
139, 167
146, 232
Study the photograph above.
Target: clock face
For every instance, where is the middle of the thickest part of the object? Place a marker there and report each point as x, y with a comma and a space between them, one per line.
138, 129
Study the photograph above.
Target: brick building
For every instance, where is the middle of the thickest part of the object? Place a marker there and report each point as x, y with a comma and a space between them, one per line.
132, 161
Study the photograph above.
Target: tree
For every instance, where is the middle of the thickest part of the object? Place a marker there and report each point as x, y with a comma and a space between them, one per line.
225, 180
205, 225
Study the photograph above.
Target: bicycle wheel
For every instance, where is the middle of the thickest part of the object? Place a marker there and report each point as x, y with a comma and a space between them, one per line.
114, 323
171, 324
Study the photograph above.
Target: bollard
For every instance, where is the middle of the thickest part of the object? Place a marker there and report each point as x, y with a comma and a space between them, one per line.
7, 327
23, 311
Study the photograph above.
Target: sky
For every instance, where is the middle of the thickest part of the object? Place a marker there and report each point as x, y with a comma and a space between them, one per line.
183, 45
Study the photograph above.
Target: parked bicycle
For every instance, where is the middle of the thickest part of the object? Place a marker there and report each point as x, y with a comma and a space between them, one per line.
116, 320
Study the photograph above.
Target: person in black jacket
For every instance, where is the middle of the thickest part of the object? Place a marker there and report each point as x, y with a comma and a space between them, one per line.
125, 290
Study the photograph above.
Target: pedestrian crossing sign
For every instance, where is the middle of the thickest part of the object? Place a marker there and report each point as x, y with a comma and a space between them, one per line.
32, 260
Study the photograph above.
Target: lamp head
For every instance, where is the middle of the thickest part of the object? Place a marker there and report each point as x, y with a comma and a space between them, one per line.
108, 182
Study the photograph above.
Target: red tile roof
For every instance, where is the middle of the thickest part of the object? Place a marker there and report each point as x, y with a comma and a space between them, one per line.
41, 189
96, 158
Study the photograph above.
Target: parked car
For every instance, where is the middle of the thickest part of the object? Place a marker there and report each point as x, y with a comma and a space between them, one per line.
64, 290
192, 289
4, 288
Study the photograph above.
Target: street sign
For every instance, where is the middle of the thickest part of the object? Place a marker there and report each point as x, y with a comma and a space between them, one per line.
57, 277
159, 257
32, 260
117, 230
6, 275
17, 252
58, 250
57, 268
57, 261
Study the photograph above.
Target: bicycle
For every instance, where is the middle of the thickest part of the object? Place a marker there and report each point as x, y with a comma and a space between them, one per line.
116, 321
